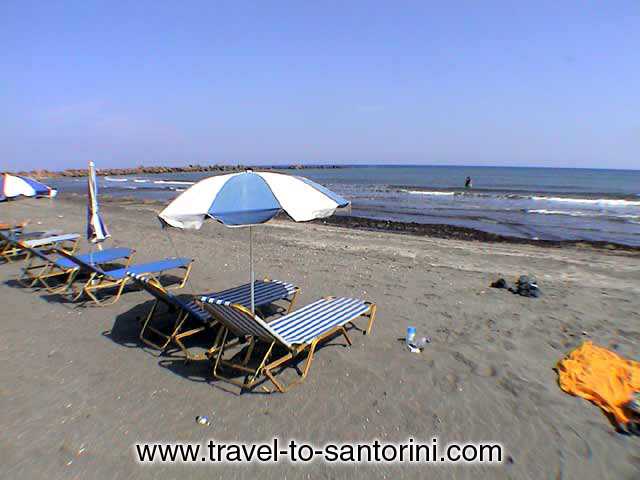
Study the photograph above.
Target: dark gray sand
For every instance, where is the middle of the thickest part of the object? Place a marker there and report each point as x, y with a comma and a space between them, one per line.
77, 390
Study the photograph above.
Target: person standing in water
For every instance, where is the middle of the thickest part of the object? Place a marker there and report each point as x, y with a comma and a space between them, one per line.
467, 183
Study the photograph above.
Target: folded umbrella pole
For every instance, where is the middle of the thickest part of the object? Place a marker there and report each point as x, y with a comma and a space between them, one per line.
96, 230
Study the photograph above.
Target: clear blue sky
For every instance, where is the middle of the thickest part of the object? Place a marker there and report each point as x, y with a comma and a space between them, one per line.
548, 83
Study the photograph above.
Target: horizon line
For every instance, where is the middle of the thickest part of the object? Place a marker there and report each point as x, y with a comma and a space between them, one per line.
312, 165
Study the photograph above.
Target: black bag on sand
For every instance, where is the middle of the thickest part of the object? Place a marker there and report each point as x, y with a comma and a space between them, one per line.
500, 283
525, 285
528, 287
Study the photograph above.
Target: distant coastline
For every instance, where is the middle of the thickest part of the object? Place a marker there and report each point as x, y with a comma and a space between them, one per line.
82, 172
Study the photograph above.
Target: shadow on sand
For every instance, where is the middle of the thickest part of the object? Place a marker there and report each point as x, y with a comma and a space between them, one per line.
126, 329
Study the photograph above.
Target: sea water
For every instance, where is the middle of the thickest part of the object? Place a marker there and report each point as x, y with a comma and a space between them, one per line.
538, 203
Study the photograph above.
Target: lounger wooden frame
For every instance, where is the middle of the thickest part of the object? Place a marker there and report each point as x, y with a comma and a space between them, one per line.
265, 370
176, 335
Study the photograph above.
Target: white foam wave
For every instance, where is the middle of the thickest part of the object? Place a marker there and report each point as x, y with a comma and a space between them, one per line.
140, 180
543, 211
111, 179
422, 192
172, 182
590, 201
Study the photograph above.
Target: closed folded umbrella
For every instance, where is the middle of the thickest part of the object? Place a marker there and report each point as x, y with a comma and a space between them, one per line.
96, 230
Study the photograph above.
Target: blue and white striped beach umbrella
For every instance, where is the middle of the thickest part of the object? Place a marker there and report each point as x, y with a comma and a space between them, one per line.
96, 230
12, 186
250, 198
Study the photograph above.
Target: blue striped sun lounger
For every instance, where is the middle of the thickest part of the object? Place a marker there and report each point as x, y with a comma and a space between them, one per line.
265, 292
41, 268
298, 333
99, 279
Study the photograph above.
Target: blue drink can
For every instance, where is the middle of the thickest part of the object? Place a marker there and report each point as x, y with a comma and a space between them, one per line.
411, 335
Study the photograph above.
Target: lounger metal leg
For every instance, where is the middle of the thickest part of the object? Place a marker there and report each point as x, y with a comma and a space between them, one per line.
181, 318
249, 351
292, 302
146, 326
252, 374
372, 315
123, 284
224, 332
281, 387
216, 344
188, 356
71, 276
103, 285
346, 336
186, 276
28, 278
68, 286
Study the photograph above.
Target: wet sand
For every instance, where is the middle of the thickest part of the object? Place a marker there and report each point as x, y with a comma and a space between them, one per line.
77, 389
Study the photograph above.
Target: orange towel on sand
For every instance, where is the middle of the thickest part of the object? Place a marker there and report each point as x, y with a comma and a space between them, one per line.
600, 376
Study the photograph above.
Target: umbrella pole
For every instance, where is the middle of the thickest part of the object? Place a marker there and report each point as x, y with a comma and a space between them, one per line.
253, 306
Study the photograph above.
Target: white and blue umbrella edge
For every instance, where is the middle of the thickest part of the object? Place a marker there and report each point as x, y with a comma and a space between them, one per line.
251, 198
13, 186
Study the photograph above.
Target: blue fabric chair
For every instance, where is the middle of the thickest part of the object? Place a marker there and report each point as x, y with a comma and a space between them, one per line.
99, 279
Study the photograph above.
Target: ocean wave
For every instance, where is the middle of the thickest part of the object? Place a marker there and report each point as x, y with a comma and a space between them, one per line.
543, 211
605, 216
140, 180
577, 198
422, 192
172, 182
111, 179
589, 201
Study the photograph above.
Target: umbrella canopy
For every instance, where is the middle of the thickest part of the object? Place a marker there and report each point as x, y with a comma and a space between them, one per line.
250, 198
12, 186
96, 230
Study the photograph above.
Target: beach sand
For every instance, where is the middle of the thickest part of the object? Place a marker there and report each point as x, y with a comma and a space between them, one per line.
77, 390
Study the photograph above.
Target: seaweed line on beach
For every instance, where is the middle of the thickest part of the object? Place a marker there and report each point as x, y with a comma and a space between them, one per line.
442, 231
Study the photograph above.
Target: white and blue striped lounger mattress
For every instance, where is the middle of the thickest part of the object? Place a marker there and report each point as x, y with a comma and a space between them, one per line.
298, 327
265, 292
